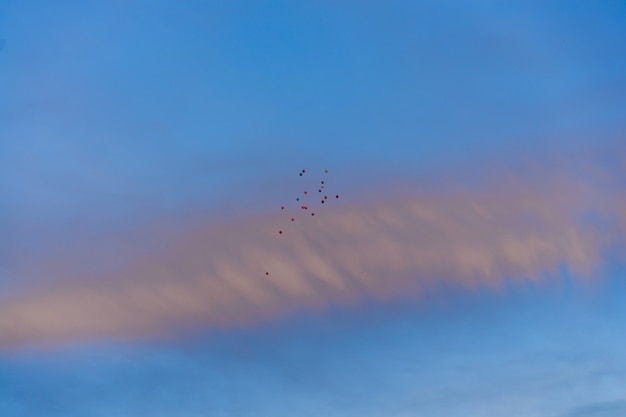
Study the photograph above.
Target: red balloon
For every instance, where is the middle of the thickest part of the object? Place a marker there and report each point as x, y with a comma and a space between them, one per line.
322, 201
312, 214
292, 219
280, 232
325, 197
282, 207
303, 171
337, 196
306, 192
267, 273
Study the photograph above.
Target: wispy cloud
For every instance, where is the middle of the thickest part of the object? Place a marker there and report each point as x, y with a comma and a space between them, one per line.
609, 409
515, 227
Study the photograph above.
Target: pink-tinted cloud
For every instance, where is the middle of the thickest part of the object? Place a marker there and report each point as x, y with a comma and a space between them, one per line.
514, 227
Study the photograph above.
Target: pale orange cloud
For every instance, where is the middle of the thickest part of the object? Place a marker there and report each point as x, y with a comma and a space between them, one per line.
513, 227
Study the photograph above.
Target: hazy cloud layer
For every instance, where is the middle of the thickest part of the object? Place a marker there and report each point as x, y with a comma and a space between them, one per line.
523, 226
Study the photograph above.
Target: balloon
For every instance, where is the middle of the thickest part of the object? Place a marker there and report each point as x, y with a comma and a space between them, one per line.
306, 192
280, 232
282, 207
267, 273
326, 171
337, 196
297, 198
292, 219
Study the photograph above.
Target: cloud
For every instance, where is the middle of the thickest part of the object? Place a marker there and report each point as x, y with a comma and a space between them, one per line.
608, 409
208, 274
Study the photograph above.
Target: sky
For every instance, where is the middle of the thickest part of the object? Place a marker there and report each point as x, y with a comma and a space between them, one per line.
472, 265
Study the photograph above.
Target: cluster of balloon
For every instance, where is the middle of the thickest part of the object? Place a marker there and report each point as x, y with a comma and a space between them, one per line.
322, 185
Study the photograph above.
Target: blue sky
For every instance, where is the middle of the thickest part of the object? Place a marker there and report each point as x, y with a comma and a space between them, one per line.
126, 126
532, 353
133, 100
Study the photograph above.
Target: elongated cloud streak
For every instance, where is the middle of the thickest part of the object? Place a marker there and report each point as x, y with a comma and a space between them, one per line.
214, 275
